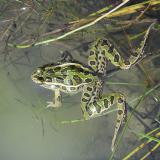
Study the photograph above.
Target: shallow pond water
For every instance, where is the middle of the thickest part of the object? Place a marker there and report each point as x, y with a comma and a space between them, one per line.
30, 131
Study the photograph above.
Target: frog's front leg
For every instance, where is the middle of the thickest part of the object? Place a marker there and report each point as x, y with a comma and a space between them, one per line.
99, 106
57, 100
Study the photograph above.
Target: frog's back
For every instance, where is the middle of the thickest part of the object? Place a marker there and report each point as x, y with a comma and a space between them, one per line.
70, 74
68, 77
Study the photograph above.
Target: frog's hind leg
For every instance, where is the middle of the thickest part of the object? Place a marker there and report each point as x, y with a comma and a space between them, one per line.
113, 55
57, 100
100, 106
119, 100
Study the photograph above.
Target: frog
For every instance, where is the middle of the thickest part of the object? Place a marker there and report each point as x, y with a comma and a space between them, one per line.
71, 76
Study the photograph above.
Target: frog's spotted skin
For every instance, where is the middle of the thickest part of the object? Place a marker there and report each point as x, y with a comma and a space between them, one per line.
71, 76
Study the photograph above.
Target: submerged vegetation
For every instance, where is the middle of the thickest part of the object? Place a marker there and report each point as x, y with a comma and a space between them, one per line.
35, 23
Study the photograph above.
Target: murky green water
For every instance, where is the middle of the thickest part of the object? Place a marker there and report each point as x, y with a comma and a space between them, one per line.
30, 131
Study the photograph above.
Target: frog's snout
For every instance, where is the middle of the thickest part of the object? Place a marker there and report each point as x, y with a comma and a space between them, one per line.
37, 78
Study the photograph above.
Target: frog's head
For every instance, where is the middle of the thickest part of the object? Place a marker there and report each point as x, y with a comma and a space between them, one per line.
47, 74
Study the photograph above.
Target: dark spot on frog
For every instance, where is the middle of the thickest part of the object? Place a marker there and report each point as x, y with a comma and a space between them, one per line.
118, 120
40, 79
112, 99
79, 87
56, 69
88, 80
120, 100
116, 58
77, 79
86, 94
99, 57
92, 53
92, 62
59, 98
72, 67
89, 88
84, 100
80, 70
106, 103
103, 63
120, 112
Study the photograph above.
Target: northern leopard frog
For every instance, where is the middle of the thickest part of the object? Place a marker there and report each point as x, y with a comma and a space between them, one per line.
71, 76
